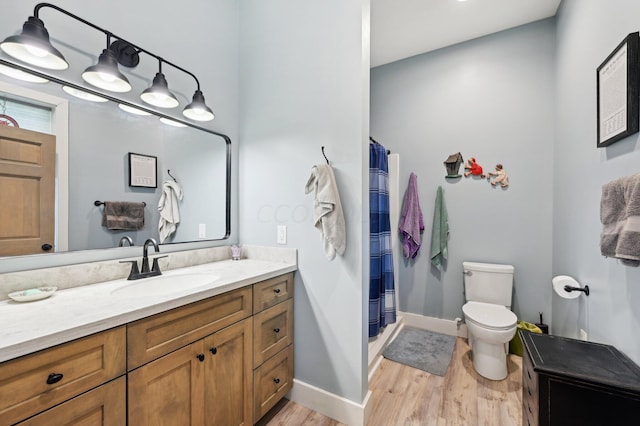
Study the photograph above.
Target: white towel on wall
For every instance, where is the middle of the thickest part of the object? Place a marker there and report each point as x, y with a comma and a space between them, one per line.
169, 209
327, 210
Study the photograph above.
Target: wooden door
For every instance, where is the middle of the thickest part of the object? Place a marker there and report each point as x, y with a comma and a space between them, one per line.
229, 376
27, 191
169, 391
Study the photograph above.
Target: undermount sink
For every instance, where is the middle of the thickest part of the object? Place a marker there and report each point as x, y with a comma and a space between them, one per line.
164, 284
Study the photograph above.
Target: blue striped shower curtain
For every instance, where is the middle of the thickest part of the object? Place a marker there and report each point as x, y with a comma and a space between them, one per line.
382, 303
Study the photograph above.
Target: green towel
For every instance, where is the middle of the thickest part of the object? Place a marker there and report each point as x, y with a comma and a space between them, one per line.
440, 232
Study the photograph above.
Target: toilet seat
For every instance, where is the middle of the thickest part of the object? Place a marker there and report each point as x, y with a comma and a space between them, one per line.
488, 315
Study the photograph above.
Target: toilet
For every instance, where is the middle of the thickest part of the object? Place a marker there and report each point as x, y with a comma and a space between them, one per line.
487, 313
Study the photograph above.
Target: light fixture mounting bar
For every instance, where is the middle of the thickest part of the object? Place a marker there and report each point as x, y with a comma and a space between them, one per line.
36, 12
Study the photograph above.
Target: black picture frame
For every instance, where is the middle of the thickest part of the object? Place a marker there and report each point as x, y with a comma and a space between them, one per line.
143, 170
618, 93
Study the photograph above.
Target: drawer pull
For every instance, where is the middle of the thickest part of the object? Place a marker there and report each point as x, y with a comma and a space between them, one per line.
200, 357
529, 391
276, 380
276, 291
529, 408
54, 378
213, 350
529, 374
276, 330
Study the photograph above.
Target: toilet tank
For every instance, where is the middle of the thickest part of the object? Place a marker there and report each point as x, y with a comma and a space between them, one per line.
488, 282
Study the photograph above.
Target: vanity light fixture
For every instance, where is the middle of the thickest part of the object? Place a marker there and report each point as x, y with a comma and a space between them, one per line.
21, 75
33, 47
105, 74
198, 109
159, 94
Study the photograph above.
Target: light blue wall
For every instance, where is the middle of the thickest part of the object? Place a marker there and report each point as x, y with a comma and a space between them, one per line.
199, 35
491, 98
304, 84
588, 30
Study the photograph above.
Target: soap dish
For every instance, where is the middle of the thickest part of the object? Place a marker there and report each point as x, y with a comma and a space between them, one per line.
32, 294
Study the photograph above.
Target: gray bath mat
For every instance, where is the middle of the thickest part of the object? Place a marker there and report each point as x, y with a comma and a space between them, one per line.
422, 349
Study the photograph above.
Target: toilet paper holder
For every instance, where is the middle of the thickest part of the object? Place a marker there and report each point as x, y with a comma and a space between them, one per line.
569, 289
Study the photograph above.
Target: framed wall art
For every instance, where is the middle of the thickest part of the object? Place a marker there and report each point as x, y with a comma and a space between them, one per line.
143, 170
618, 94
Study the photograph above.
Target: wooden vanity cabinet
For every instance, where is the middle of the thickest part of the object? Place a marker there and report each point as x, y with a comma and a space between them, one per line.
569, 382
40, 381
225, 360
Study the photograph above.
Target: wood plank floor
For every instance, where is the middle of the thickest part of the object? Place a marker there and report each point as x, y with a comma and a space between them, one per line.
403, 395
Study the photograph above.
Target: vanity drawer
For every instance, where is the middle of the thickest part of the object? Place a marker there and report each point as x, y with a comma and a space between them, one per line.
271, 292
105, 405
83, 364
157, 335
272, 381
272, 331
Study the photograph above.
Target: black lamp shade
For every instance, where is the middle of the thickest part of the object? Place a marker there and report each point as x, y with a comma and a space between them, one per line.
198, 109
33, 46
159, 94
106, 75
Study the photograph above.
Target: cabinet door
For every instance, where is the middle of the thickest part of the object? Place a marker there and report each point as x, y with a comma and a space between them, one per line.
103, 406
228, 376
169, 391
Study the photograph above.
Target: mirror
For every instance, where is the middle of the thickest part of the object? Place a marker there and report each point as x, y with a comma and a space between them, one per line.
100, 138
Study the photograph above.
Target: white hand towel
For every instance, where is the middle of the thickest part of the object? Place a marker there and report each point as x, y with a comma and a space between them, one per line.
169, 209
328, 215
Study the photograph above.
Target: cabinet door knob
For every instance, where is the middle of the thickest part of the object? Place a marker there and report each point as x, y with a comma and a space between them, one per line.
276, 291
200, 357
276, 380
54, 378
213, 350
276, 330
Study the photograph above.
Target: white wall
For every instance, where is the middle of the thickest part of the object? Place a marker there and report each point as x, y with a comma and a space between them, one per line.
588, 30
491, 98
304, 84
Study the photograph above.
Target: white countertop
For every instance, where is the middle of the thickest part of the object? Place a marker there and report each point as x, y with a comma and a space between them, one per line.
77, 312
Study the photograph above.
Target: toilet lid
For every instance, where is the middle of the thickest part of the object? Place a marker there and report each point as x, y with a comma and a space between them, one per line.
489, 315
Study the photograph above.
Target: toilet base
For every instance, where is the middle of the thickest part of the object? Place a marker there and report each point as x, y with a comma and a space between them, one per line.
489, 360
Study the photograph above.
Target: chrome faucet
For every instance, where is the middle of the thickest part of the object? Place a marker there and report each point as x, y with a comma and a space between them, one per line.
125, 239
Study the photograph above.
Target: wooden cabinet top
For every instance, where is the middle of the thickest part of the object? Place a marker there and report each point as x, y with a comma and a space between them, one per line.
588, 362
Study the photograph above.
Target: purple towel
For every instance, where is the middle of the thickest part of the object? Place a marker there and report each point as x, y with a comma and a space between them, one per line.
411, 224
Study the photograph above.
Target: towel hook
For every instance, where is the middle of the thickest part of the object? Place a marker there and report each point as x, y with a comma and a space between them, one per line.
324, 155
169, 172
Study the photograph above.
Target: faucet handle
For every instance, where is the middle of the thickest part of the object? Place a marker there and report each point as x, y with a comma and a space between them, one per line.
156, 266
135, 273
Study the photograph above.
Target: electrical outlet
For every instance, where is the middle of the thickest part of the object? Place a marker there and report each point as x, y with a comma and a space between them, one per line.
282, 234
583, 334
202, 230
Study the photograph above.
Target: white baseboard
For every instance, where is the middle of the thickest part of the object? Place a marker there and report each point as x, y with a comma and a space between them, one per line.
438, 325
331, 405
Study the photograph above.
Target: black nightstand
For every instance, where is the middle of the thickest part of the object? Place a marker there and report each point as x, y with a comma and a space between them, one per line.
572, 382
